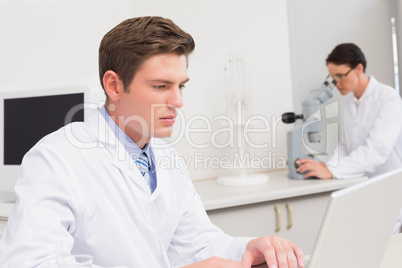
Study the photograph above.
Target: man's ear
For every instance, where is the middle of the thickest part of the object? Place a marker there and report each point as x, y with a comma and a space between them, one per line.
113, 85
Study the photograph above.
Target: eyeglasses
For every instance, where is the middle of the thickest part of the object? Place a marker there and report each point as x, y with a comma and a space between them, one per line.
340, 77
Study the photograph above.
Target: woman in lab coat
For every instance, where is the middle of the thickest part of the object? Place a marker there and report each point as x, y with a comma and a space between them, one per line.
371, 129
80, 191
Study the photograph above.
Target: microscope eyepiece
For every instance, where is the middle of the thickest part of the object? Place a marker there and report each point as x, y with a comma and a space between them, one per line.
289, 118
326, 83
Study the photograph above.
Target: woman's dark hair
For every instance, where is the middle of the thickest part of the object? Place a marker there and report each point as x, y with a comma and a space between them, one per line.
349, 54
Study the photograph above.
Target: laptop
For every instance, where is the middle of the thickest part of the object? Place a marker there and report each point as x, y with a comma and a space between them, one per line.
358, 224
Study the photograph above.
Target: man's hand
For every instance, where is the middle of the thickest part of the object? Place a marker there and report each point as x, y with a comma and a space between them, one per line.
275, 251
314, 169
216, 262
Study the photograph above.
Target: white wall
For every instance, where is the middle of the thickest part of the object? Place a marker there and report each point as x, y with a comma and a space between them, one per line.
48, 43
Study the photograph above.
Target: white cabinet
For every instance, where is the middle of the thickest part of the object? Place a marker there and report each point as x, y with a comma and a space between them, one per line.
296, 219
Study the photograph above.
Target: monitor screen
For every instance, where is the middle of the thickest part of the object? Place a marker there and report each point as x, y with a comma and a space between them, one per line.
27, 120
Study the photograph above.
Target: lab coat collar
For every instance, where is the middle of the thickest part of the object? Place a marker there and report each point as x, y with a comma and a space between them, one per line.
370, 88
121, 158
102, 130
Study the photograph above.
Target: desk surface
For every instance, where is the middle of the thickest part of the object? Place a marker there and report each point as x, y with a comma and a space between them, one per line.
279, 186
8, 197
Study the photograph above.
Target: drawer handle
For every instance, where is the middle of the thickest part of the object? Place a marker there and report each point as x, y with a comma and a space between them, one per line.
290, 216
278, 219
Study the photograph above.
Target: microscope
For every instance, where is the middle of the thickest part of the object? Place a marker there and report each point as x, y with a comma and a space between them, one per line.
305, 139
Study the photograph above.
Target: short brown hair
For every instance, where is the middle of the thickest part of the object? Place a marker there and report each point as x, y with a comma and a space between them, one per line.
128, 45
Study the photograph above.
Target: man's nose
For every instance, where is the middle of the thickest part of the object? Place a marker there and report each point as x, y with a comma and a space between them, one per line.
175, 98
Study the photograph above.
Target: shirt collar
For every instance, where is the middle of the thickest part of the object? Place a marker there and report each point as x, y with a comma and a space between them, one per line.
131, 147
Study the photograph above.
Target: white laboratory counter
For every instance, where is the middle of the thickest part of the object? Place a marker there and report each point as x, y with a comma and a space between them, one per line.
215, 196
6, 199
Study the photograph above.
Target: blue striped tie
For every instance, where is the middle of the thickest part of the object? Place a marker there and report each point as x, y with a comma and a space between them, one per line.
143, 165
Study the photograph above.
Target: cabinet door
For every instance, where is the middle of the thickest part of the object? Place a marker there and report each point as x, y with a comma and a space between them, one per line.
247, 220
262, 219
307, 214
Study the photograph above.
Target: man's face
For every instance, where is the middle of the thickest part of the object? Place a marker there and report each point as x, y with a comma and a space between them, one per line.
155, 94
345, 77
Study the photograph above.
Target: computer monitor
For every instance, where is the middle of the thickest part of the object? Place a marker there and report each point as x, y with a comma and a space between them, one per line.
26, 116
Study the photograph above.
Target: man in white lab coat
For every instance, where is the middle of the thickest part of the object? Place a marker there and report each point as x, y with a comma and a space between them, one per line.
371, 127
96, 188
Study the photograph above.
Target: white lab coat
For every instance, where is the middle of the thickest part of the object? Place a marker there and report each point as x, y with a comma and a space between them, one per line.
371, 133
80, 187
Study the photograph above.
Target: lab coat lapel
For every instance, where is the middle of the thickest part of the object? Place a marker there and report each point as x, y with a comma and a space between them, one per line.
121, 158
123, 161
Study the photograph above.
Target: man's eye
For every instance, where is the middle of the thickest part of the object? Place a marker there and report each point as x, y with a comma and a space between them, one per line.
182, 86
160, 86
